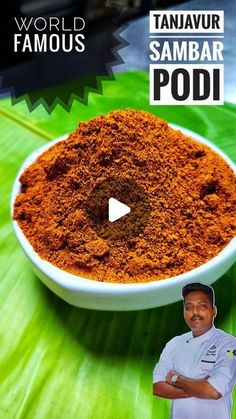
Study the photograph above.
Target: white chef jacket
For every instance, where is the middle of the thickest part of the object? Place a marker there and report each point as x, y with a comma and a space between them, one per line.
211, 354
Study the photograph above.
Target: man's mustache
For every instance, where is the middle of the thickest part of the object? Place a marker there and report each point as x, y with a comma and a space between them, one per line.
196, 318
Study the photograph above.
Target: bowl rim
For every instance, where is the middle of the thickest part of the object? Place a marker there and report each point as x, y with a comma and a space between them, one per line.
79, 283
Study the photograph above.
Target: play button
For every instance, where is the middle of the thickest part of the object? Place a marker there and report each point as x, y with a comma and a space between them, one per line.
118, 209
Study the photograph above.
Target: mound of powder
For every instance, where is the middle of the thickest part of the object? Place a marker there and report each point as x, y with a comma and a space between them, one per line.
191, 191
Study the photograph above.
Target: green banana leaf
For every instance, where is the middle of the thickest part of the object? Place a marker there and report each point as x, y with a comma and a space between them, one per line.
59, 361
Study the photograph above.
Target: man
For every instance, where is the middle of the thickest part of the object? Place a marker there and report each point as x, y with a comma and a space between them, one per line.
197, 370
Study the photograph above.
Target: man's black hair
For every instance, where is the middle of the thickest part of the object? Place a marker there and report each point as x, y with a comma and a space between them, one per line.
198, 286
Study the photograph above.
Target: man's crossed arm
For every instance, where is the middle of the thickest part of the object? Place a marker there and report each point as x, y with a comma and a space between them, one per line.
185, 387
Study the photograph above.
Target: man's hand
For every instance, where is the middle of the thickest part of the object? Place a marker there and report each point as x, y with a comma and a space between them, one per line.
169, 375
194, 387
167, 390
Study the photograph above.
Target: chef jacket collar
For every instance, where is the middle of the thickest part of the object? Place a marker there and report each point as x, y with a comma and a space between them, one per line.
203, 337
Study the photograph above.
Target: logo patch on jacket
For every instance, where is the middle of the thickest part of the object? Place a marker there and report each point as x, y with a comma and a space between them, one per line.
231, 353
211, 351
210, 356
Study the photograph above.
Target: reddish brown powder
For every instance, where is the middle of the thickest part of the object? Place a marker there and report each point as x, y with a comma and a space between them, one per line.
191, 191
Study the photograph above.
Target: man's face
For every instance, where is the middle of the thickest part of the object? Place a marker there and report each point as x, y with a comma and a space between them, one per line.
198, 312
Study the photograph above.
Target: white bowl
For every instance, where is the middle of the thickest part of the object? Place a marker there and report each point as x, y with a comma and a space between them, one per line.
86, 293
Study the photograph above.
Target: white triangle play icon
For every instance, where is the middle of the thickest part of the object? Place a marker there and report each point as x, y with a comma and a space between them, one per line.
116, 209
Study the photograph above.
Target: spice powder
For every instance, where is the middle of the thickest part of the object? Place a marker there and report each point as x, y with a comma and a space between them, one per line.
191, 191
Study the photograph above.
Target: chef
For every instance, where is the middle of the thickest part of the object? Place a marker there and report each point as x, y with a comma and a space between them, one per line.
197, 370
